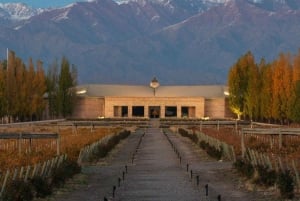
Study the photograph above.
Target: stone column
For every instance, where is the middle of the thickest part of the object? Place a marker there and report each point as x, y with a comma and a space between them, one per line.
162, 111
146, 111
130, 111
178, 111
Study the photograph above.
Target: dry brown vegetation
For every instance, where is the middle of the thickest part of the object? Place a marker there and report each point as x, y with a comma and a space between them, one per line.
289, 153
39, 150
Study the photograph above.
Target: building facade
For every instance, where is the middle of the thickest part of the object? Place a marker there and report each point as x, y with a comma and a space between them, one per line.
128, 101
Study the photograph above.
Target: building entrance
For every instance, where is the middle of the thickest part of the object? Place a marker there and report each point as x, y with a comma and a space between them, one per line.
154, 111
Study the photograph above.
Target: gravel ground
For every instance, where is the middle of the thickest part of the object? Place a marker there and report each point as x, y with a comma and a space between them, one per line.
154, 172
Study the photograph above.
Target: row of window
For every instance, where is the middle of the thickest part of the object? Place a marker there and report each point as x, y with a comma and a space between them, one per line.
153, 111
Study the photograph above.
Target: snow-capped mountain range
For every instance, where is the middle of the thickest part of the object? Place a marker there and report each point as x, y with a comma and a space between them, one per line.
21, 11
18, 11
129, 41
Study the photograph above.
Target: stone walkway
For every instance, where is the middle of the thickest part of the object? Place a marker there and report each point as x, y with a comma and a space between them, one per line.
156, 174
147, 167
97, 180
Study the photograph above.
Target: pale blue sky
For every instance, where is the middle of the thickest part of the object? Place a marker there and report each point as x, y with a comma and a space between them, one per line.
43, 3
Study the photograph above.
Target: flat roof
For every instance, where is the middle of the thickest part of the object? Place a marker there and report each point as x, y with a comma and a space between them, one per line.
103, 90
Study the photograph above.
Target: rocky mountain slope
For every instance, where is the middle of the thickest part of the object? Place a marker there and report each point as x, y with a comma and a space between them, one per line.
179, 41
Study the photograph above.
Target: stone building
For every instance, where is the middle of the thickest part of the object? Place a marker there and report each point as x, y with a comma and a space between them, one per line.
154, 101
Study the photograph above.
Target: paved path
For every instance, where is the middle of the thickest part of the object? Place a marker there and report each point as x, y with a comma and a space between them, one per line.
155, 172
97, 180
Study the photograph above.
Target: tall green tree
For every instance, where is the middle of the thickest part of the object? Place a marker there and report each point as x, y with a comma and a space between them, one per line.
238, 79
235, 99
66, 90
52, 89
252, 97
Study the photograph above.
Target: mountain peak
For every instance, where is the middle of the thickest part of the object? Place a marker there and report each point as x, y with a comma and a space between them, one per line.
276, 5
188, 41
18, 11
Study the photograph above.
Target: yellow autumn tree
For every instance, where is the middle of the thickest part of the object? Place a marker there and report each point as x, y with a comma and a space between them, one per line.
266, 90
295, 99
3, 100
25, 88
11, 92
39, 90
282, 79
30, 87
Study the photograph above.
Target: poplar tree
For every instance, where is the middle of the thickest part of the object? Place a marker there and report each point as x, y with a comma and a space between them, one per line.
3, 100
24, 89
266, 90
39, 90
11, 92
281, 88
235, 99
295, 105
21, 95
289, 92
52, 90
30, 89
253, 88
66, 90
238, 79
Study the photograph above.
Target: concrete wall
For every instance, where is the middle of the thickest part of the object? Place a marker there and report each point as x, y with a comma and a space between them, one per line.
228, 112
197, 103
215, 108
93, 107
89, 108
